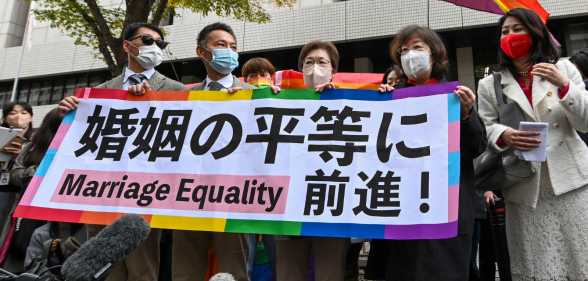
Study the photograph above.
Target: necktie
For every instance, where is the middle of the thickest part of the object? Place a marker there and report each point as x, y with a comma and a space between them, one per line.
215, 86
137, 79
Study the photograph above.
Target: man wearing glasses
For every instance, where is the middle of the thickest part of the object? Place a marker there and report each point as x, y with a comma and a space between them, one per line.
144, 44
217, 47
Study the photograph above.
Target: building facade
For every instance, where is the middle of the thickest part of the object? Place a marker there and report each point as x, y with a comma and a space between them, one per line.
53, 67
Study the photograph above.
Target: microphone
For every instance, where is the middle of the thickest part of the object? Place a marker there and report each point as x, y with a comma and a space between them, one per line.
223, 277
96, 258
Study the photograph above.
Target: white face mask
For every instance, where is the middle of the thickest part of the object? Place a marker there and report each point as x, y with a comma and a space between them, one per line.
415, 63
316, 75
149, 56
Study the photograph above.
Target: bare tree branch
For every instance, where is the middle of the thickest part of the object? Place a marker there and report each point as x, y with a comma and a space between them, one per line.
103, 45
158, 15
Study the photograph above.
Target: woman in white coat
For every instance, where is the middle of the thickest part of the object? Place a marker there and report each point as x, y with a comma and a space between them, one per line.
547, 214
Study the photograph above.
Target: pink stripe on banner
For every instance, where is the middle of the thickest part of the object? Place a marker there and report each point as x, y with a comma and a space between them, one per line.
453, 203
86, 93
58, 139
453, 136
28, 196
220, 193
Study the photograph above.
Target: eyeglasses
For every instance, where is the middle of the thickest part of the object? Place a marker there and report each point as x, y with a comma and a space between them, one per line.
148, 40
311, 62
415, 47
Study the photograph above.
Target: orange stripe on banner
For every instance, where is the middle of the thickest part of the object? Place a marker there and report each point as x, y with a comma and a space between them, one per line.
293, 84
160, 96
105, 218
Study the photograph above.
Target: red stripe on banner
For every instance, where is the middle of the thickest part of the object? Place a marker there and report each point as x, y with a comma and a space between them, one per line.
48, 214
102, 94
160, 96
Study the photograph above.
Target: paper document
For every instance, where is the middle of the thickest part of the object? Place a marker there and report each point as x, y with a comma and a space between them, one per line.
6, 134
539, 153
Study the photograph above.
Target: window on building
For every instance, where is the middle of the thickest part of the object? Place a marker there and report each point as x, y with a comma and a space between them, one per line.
23, 93
95, 81
82, 82
34, 93
578, 37
70, 87
4, 91
57, 95
45, 92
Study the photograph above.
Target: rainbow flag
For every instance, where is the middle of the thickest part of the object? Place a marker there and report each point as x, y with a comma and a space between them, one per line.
502, 6
290, 79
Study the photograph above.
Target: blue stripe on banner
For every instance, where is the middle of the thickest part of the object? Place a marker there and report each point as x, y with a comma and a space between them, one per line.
454, 167
46, 163
69, 117
375, 231
453, 108
348, 94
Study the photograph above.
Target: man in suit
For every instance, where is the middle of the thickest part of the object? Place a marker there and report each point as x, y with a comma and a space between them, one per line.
217, 47
144, 43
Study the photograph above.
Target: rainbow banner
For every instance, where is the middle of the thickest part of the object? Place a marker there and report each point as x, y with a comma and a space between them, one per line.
344, 163
502, 6
290, 79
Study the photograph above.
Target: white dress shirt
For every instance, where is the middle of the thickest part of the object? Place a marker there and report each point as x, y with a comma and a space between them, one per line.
126, 83
226, 81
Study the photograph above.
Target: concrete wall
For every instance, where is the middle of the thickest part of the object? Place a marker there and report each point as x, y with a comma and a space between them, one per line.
13, 18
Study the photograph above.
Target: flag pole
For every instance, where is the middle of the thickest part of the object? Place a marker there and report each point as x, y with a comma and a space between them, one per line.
24, 41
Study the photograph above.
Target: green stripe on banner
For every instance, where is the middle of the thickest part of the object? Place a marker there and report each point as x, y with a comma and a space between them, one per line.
287, 94
263, 227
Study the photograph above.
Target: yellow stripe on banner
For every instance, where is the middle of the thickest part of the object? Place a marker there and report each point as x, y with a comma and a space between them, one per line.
502, 6
188, 223
220, 96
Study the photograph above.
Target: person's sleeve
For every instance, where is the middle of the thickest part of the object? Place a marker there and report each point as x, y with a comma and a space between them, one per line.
562, 93
473, 136
575, 102
35, 249
19, 168
489, 112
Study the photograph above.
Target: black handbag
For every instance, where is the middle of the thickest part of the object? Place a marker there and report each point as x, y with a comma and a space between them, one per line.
497, 171
43, 265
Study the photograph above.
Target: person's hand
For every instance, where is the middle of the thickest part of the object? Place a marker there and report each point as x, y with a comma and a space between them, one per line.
466, 98
140, 89
67, 104
54, 244
14, 150
385, 88
520, 139
275, 89
550, 73
234, 89
322, 87
489, 196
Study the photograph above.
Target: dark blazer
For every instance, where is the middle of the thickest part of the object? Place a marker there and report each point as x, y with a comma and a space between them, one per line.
158, 82
443, 259
236, 83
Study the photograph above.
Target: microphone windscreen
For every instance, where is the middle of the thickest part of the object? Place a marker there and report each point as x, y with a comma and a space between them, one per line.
91, 262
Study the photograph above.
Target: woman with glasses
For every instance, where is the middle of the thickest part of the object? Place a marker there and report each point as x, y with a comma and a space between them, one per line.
547, 213
423, 57
318, 62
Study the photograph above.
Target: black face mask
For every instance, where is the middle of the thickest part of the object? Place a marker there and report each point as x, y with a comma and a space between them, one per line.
586, 82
